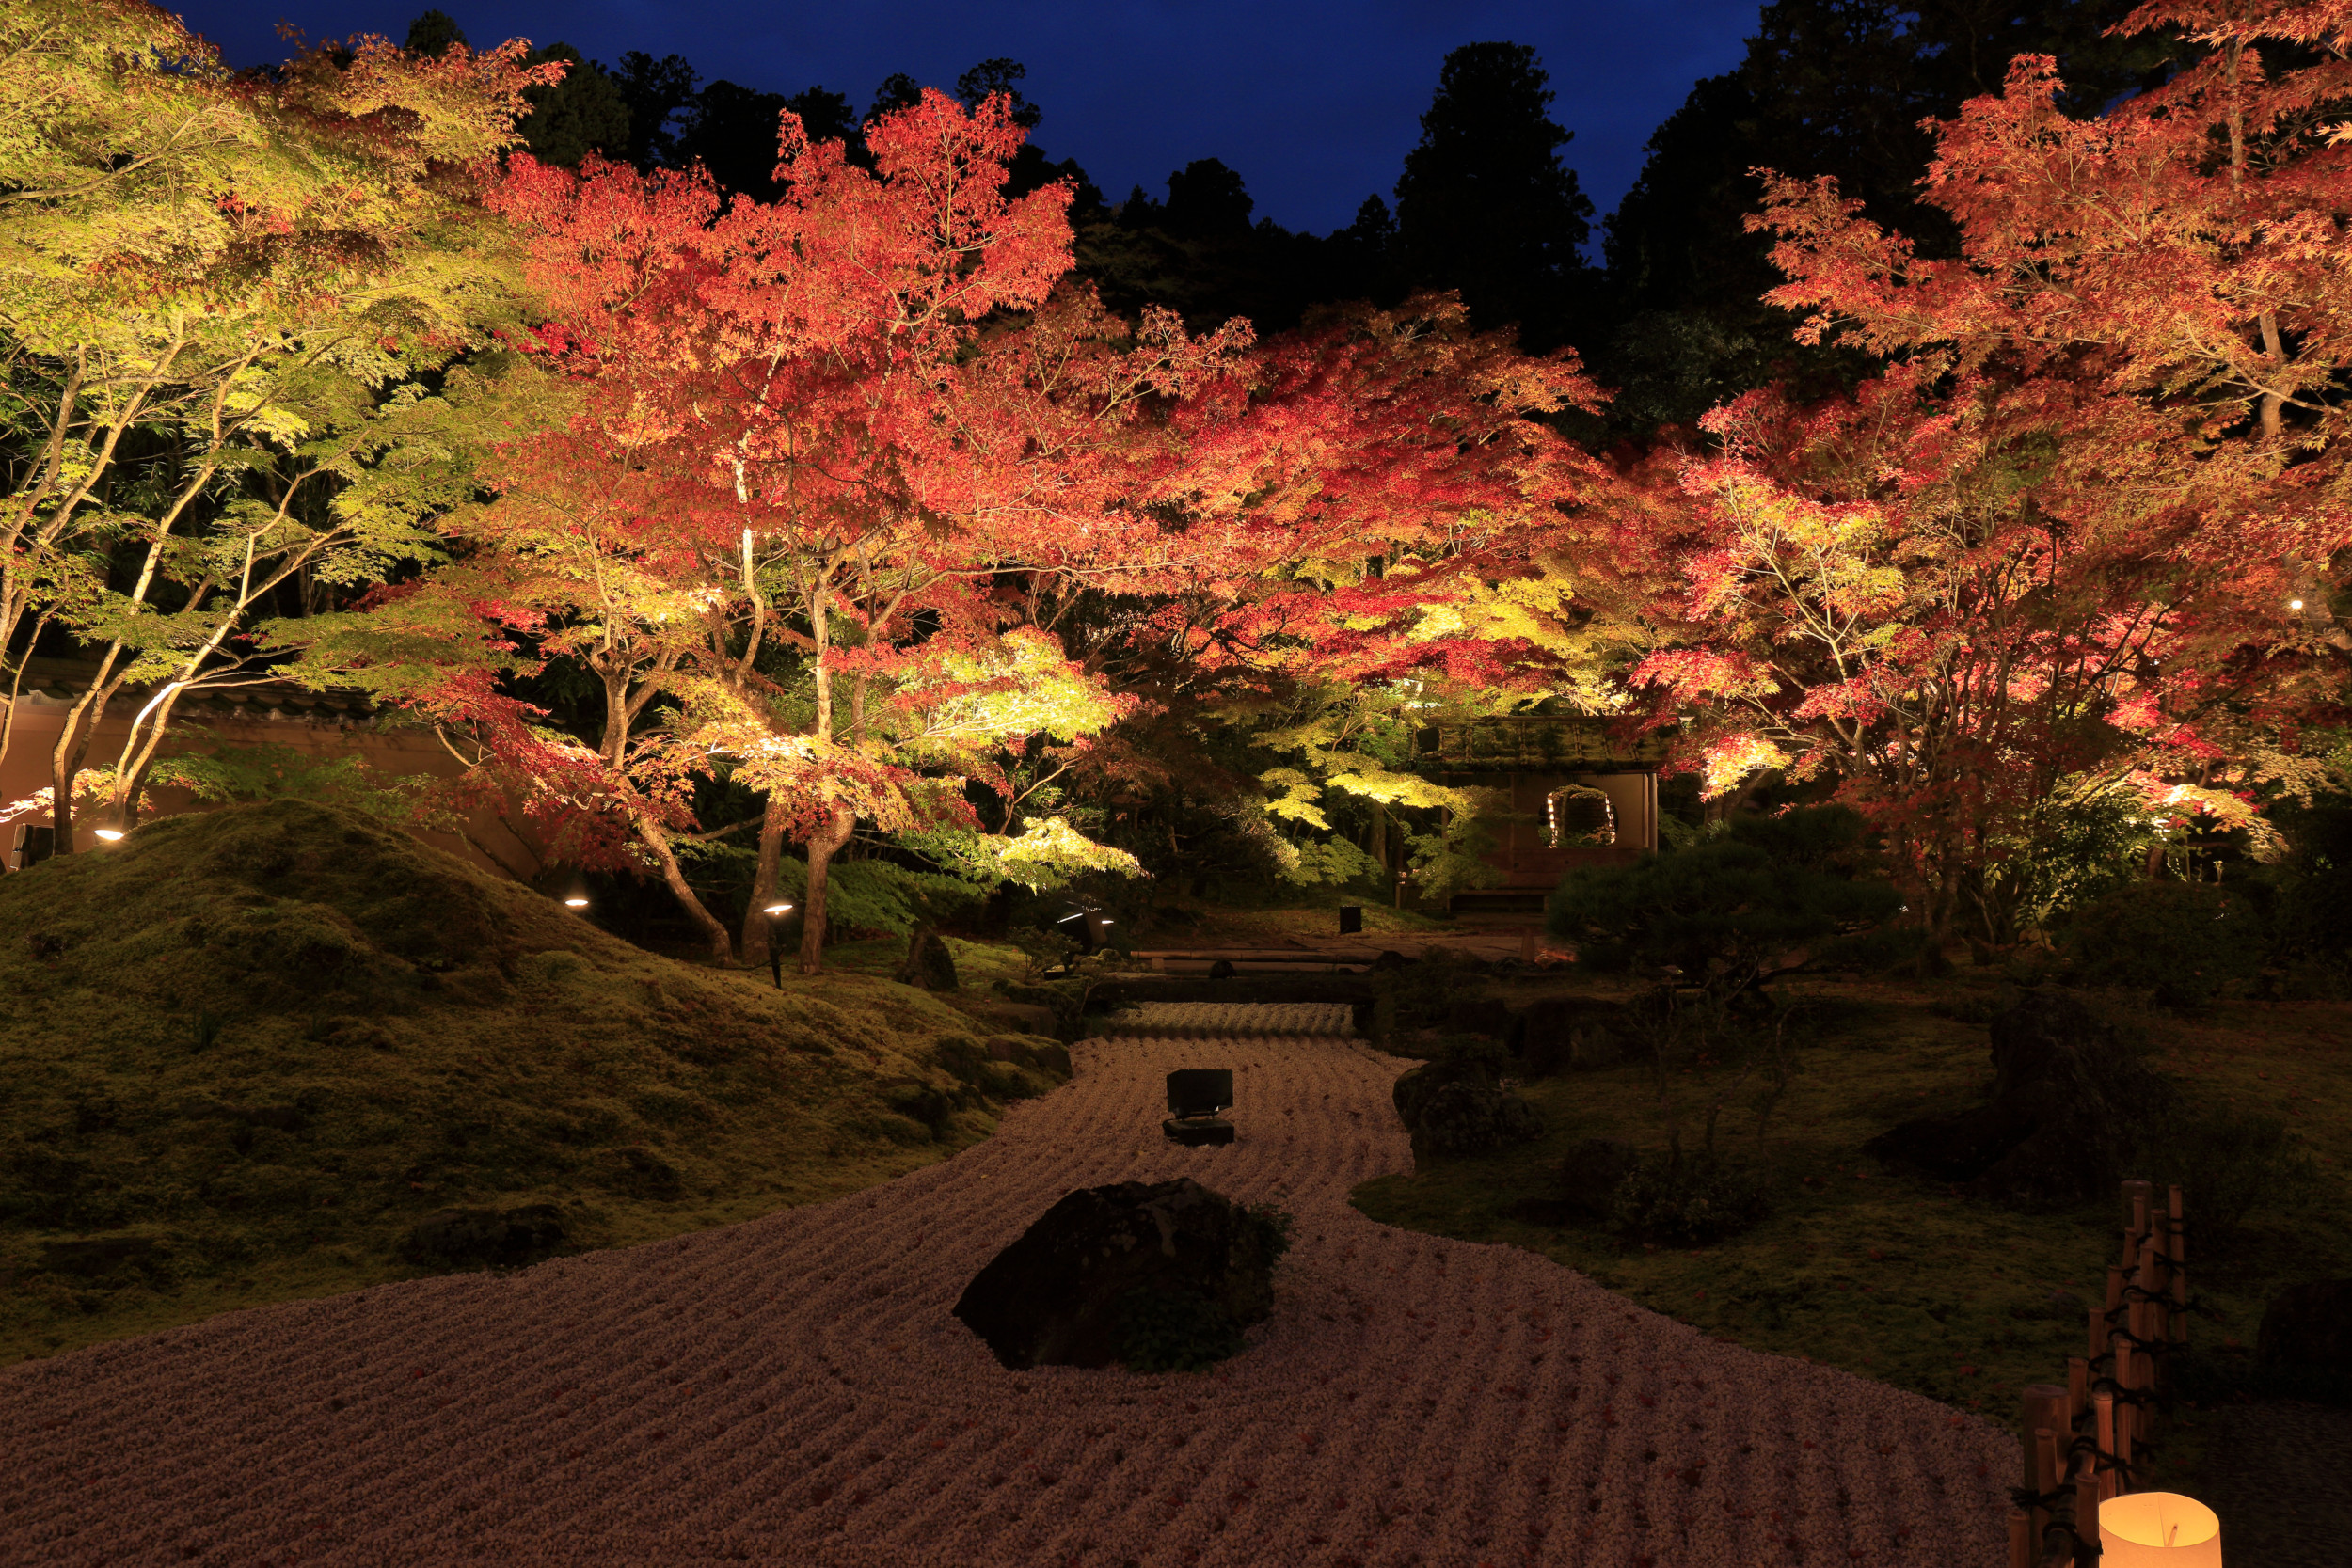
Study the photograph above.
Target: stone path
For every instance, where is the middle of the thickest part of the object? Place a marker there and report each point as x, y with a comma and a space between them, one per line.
795, 1391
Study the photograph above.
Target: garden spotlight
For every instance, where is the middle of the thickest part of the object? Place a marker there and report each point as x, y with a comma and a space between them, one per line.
2295, 604
578, 897
109, 835
775, 954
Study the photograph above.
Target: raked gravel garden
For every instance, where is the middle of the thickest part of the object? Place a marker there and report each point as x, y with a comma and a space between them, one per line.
795, 1391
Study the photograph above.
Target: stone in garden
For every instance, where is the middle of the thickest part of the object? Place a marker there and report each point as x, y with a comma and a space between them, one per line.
929, 963
1018, 1018
1054, 1297
2067, 1098
486, 1235
1455, 1106
1222, 970
1049, 1056
1559, 1033
2308, 1325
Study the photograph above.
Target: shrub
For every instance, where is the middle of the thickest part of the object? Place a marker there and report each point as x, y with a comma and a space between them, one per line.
2227, 1163
1183, 1331
2184, 943
1174, 1331
1686, 1200
1427, 994
1725, 911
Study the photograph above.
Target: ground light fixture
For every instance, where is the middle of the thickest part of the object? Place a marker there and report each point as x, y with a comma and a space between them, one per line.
775, 952
578, 897
2158, 1529
112, 835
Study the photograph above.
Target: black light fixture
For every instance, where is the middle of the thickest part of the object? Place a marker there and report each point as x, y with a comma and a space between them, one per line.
776, 914
1196, 1094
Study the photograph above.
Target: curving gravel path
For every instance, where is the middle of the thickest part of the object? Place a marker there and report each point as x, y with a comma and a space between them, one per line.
795, 1391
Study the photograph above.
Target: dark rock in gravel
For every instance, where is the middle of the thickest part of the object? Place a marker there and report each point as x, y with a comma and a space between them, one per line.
1222, 970
1389, 961
1455, 1106
2308, 1325
1055, 1296
1558, 1033
929, 963
1590, 1174
486, 1235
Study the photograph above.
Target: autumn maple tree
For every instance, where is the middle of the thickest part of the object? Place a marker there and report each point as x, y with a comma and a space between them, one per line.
230, 307
799, 441
2080, 543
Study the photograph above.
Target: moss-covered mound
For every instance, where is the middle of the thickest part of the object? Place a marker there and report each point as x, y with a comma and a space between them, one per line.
244, 1055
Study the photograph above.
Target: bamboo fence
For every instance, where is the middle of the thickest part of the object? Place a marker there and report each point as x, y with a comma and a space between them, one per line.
2083, 1442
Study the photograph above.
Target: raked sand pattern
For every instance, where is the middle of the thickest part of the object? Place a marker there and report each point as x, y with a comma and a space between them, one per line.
795, 1391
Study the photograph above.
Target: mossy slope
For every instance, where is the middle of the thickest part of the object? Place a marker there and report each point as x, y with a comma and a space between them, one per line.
250, 1049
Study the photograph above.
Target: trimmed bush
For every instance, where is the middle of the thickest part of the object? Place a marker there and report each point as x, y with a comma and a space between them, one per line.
2184, 944
1684, 1200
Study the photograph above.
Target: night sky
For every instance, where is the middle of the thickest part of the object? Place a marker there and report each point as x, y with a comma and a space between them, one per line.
1315, 103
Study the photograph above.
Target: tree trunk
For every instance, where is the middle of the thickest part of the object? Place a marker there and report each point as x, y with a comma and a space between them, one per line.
721, 945
822, 846
756, 923
65, 761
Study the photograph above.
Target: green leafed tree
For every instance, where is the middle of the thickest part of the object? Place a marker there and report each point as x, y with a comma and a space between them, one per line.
234, 312
584, 112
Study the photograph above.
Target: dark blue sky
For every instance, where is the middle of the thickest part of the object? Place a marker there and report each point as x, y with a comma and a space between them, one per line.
1315, 103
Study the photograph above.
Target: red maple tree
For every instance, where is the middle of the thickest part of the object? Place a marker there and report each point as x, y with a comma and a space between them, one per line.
2081, 540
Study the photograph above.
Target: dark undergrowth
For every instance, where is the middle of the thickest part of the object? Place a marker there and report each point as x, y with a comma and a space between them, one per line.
1886, 1273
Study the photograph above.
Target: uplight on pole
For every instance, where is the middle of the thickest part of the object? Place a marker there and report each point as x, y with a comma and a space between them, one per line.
776, 914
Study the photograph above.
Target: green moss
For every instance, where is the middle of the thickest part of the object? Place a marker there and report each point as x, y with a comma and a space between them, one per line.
267, 1040
1886, 1274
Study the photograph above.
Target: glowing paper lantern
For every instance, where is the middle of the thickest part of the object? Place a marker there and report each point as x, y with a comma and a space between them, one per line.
2158, 1529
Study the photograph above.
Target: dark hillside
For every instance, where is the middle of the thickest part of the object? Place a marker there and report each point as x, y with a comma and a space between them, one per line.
243, 1053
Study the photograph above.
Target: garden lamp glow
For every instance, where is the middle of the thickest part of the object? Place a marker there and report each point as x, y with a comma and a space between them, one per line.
110, 835
2158, 1529
776, 909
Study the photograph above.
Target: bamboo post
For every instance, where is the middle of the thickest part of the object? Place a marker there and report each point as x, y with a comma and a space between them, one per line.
2179, 1335
2102, 1407
2115, 1307
2098, 1334
2149, 1327
2087, 1520
2077, 1390
2020, 1539
2044, 1412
